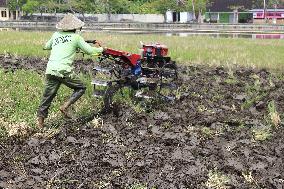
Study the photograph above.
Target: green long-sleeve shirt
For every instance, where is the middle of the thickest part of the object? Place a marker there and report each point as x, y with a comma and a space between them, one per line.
63, 46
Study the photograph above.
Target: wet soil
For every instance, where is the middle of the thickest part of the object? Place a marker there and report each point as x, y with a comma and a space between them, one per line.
208, 131
12, 63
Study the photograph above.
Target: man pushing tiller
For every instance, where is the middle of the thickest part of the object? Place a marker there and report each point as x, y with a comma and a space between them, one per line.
63, 45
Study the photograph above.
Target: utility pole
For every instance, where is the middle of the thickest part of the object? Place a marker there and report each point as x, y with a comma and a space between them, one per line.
275, 18
264, 10
17, 10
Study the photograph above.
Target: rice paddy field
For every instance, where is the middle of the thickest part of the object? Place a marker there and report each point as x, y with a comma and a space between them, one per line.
185, 50
224, 130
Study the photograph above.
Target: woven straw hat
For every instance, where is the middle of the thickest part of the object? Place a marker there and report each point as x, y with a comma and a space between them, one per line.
69, 22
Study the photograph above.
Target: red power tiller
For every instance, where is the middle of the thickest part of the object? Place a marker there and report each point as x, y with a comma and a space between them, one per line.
152, 74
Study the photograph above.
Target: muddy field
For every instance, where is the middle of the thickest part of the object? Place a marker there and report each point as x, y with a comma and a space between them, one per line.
220, 133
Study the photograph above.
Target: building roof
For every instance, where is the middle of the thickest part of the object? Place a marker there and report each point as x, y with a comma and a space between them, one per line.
3, 3
269, 10
227, 5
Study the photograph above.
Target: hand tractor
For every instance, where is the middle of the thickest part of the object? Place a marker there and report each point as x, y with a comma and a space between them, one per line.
151, 74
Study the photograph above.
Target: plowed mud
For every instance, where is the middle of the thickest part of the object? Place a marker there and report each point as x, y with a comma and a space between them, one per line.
205, 139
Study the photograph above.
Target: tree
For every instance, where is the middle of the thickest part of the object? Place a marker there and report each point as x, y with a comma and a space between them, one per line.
119, 6
269, 3
198, 6
55, 6
110, 6
31, 6
16, 4
78, 6
276, 3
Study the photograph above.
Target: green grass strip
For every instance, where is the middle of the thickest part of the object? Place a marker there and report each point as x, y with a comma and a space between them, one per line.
185, 50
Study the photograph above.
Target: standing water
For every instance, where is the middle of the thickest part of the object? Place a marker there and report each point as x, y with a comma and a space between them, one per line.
180, 34
230, 35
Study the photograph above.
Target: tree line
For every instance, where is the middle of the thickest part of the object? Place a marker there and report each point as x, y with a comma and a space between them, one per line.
107, 6
120, 6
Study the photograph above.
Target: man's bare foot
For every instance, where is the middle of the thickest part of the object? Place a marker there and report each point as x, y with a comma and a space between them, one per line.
40, 122
65, 113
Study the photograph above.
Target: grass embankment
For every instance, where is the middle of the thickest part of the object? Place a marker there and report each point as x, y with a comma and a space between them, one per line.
20, 92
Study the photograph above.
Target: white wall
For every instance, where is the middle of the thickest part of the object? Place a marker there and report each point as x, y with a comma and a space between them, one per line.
186, 17
169, 16
146, 18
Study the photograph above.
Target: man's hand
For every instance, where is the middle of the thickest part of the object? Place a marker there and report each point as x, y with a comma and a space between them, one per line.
97, 44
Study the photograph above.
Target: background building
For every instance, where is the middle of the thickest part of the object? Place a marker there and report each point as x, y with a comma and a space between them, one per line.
5, 13
272, 16
241, 11
232, 11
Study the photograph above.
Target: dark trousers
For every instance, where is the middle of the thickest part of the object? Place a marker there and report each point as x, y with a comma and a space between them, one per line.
52, 85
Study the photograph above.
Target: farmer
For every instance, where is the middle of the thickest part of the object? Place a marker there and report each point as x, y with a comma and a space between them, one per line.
63, 45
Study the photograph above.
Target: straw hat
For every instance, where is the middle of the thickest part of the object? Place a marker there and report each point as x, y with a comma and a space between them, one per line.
69, 22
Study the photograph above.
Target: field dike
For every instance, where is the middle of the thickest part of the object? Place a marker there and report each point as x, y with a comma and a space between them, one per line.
224, 131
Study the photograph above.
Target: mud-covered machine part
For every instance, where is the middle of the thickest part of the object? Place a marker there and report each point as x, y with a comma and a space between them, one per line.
152, 74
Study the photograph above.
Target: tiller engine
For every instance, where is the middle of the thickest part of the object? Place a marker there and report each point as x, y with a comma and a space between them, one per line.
152, 74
